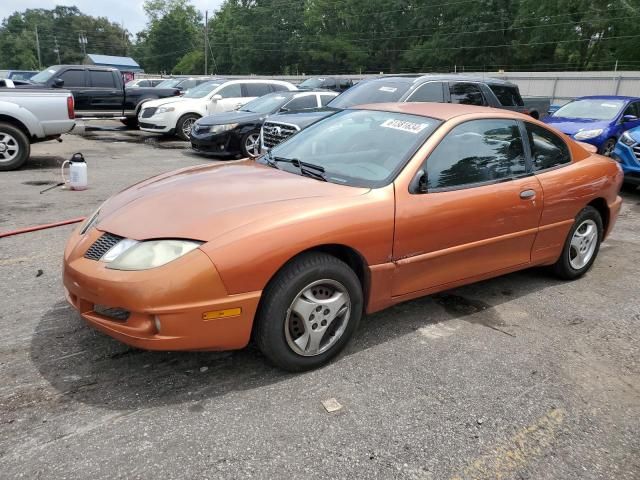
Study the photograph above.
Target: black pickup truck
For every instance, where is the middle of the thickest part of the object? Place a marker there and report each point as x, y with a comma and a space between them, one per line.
99, 92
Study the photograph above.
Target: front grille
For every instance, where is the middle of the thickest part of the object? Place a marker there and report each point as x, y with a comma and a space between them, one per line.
274, 133
149, 112
101, 246
114, 313
201, 128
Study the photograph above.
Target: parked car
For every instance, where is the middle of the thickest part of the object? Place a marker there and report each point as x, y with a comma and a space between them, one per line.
184, 83
30, 116
627, 152
598, 120
368, 208
17, 74
176, 116
238, 132
427, 88
144, 82
337, 84
7, 83
99, 92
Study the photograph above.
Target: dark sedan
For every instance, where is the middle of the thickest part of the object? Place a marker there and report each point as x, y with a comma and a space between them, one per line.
235, 133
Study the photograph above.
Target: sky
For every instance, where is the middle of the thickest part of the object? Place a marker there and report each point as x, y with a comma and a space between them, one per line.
129, 12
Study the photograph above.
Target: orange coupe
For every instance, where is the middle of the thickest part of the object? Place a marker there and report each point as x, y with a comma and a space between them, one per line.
368, 208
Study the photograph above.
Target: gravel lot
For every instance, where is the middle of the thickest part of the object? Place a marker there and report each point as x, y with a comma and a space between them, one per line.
521, 377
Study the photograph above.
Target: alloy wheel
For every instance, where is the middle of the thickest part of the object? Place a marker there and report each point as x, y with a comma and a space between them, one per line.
583, 244
9, 148
317, 317
252, 145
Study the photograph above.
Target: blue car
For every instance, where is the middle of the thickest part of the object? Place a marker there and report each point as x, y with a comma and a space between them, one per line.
627, 152
598, 120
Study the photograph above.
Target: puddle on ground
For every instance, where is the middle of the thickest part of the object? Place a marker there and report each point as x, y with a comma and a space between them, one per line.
458, 306
125, 137
39, 183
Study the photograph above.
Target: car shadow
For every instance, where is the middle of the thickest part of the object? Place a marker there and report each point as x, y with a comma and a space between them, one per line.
41, 162
86, 366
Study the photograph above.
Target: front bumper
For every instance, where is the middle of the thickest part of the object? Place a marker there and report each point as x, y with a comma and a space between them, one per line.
183, 298
157, 124
629, 160
225, 143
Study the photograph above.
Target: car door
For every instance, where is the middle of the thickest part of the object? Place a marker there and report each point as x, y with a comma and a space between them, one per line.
479, 214
75, 81
105, 93
232, 98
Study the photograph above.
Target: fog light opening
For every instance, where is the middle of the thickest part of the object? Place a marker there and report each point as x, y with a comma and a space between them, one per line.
156, 321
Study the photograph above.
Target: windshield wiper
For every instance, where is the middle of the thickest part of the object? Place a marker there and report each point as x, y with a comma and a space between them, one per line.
306, 169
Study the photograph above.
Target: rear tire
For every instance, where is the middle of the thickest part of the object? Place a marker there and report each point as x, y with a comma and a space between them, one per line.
308, 312
184, 125
581, 246
14, 147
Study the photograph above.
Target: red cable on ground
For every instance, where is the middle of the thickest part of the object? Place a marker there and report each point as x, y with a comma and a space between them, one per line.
41, 227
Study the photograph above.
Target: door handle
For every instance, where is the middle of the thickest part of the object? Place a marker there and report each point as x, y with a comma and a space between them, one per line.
528, 194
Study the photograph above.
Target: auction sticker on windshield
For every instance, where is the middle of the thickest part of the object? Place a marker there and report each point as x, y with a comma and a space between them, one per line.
405, 126
387, 89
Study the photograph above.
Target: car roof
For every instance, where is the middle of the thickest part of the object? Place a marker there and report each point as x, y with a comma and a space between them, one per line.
607, 97
441, 111
443, 77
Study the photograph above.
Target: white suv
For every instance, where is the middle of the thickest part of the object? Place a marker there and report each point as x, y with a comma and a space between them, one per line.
176, 115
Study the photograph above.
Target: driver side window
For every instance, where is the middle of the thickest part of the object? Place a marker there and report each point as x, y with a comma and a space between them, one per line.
231, 91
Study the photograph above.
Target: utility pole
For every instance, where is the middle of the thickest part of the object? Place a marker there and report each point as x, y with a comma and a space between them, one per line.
206, 40
38, 47
82, 40
56, 50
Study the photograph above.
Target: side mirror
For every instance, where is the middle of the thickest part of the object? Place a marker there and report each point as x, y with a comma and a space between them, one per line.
216, 97
420, 184
629, 118
284, 109
58, 83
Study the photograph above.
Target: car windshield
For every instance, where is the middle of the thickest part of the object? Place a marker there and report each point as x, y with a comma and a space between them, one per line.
265, 104
373, 91
169, 83
45, 75
312, 83
202, 90
363, 148
592, 109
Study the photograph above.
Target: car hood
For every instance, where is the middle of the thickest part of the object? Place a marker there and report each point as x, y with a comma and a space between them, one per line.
205, 202
235, 116
304, 118
571, 126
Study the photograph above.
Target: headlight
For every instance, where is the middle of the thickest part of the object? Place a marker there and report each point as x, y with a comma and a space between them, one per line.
165, 109
627, 140
586, 134
222, 128
136, 255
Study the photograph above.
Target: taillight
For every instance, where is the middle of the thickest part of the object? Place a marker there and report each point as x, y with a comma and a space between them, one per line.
70, 107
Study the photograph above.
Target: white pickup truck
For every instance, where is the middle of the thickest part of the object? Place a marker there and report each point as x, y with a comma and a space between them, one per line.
30, 116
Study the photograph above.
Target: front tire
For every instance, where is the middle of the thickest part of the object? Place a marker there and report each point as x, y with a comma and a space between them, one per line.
308, 312
250, 144
185, 124
14, 147
581, 246
131, 123
608, 147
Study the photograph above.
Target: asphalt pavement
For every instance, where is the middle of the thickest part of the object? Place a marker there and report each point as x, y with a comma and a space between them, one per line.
519, 377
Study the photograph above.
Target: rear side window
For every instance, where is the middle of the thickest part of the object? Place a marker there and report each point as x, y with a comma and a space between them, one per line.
276, 87
547, 149
302, 103
101, 79
257, 89
187, 84
329, 83
73, 78
466, 93
429, 92
508, 96
476, 152
345, 83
